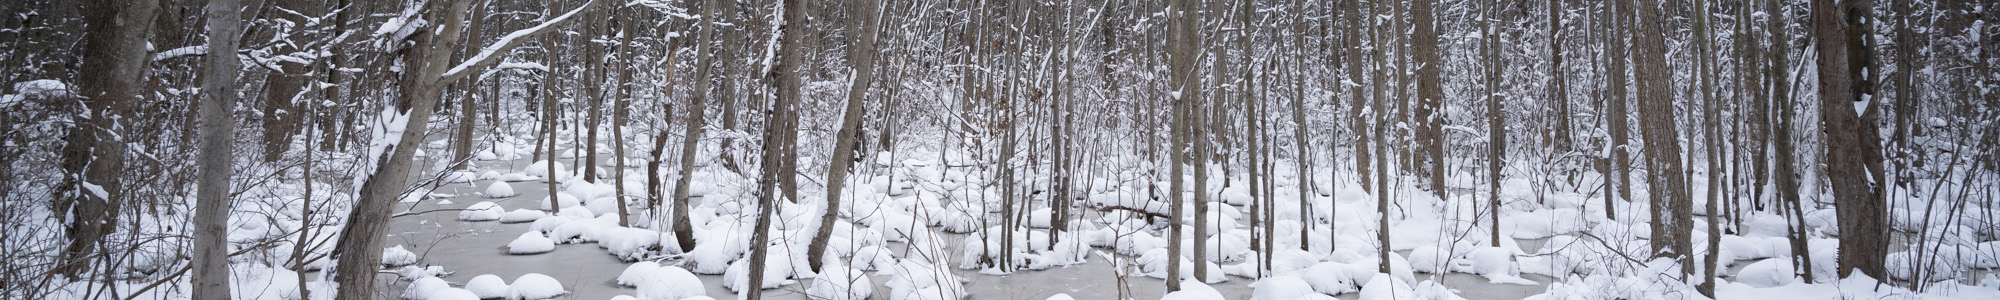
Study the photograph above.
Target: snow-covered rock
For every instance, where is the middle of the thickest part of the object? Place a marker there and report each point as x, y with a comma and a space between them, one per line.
487, 286
453, 294
531, 243
670, 282
837, 281
423, 288
1194, 290
533, 286
482, 211
1285, 288
397, 256
499, 189
522, 216
637, 272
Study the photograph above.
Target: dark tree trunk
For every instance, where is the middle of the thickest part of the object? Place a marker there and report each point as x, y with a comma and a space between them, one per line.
1854, 146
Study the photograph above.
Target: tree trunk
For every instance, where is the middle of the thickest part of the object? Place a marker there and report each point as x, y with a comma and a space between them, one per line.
1785, 172
359, 251
1667, 182
218, 93
468, 106
620, 96
1710, 146
112, 77
788, 79
1381, 140
281, 89
1357, 33
1496, 118
691, 141
593, 91
1430, 96
1854, 154
1563, 140
1621, 159
861, 26
1183, 44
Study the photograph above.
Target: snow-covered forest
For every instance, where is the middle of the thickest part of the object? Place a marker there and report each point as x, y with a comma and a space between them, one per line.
994, 149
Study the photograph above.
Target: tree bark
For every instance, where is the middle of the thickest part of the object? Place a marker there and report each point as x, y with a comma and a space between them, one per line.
861, 26
114, 68
691, 141
787, 78
1430, 96
1671, 214
218, 93
1854, 147
1618, 116
1785, 172
359, 250
1496, 118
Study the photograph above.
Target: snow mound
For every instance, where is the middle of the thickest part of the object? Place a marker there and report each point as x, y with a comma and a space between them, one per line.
533, 286
397, 256
489, 175
424, 288
1193, 290
1284, 288
522, 216
566, 199
1060, 297
460, 177
487, 286
453, 294
531, 243
516, 177
1335, 278
837, 281
637, 272
480, 212
670, 282
500, 189
541, 169
1767, 273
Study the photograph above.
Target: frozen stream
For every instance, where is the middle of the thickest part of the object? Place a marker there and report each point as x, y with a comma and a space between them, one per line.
469, 249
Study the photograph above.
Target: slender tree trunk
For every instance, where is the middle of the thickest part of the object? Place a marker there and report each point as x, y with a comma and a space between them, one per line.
1621, 159
691, 141
1496, 118
1564, 141
468, 106
1183, 43
218, 91
620, 94
1785, 172
1381, 139
1710, 143
788, 78
593, 89
861, 26
1854, 147
280, 89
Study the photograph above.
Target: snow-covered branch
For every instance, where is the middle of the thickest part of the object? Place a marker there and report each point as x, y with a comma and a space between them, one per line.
490, 54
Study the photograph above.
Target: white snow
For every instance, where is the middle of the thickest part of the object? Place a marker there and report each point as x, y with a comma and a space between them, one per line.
500, 189
397, 256
669, 282
839, 282
424, 288
487, 286
522, 216
531, 243
1285, 288
533, 286
482, 211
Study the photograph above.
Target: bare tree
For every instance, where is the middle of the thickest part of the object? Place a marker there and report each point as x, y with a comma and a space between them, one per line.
1667, 183
218, 91
1430, 158
691, 141
787, 79
1854, 145
861, 27
111, 78
1183, 44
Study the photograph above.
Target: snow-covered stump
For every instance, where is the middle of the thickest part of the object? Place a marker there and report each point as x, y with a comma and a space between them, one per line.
397, 256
